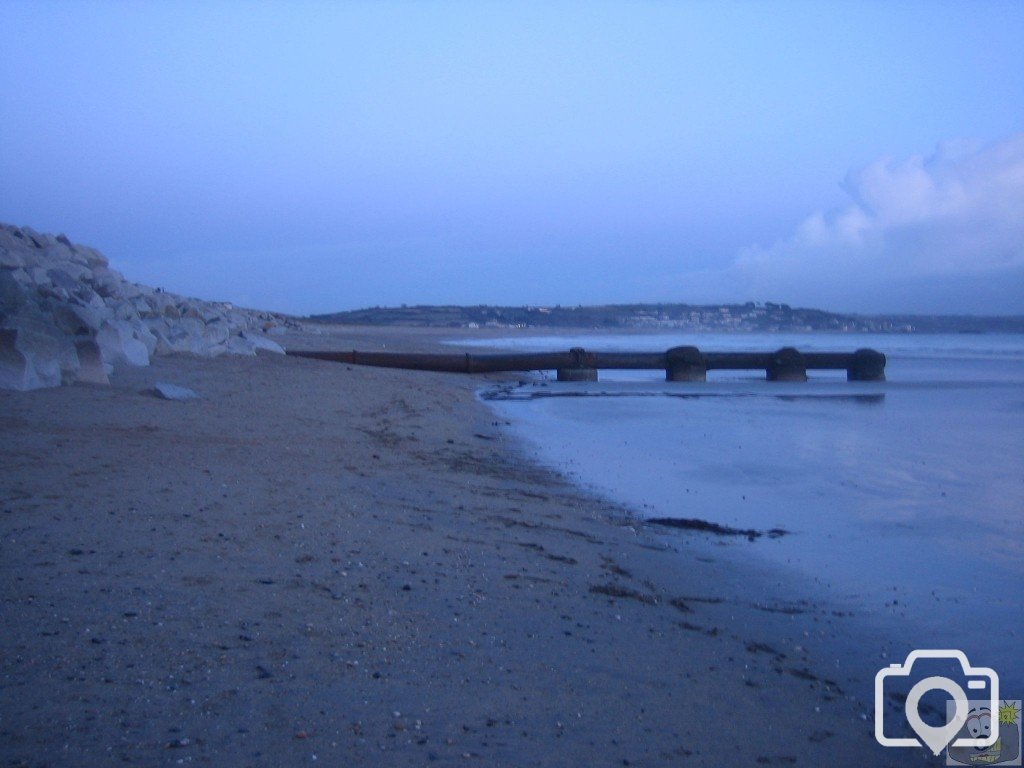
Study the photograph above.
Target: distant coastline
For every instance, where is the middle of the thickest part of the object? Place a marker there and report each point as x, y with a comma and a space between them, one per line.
766, 317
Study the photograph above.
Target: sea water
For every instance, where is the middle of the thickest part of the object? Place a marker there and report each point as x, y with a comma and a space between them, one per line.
904, 498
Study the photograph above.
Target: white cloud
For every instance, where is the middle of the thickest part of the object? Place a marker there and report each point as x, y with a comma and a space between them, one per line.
914, 232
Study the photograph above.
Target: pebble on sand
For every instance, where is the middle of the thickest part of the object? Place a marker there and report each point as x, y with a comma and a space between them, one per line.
174, 392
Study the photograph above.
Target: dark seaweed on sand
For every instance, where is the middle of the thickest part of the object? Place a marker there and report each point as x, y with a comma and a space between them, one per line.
704, 526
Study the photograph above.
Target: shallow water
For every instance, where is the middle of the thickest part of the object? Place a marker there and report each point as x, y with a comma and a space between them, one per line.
905, 498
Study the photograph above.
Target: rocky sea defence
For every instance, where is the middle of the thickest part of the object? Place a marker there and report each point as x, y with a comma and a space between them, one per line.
66, 316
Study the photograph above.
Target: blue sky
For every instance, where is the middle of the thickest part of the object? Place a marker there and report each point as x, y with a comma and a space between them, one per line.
316, 156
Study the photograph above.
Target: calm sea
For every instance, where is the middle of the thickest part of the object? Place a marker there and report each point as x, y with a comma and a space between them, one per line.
904, 498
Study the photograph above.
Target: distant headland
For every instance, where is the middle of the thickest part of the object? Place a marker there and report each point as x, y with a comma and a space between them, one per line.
767, 317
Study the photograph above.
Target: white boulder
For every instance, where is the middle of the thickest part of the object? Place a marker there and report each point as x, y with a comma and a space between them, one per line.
34, 354
174, 392
10, 258
119, 346
260, 341
239, 345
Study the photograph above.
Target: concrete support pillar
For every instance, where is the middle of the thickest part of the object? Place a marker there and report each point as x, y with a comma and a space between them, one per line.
685, 364
787, 365
866, 365
580, 370
577, 374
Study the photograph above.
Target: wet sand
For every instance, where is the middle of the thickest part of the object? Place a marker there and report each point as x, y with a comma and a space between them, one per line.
351, 566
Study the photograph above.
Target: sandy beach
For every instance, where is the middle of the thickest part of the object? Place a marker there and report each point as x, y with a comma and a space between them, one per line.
321, 563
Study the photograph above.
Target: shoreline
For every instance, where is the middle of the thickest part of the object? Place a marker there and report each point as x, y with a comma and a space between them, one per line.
360, 565
742, 564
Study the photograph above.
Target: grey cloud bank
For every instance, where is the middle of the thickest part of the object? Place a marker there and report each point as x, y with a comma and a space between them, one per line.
922, 233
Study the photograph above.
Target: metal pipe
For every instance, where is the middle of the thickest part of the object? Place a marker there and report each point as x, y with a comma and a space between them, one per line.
862, 365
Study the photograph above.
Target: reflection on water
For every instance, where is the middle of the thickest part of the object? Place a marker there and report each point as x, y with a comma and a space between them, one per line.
521, 394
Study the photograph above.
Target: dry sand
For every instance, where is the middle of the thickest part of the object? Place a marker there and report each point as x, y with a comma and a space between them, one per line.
319, 563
